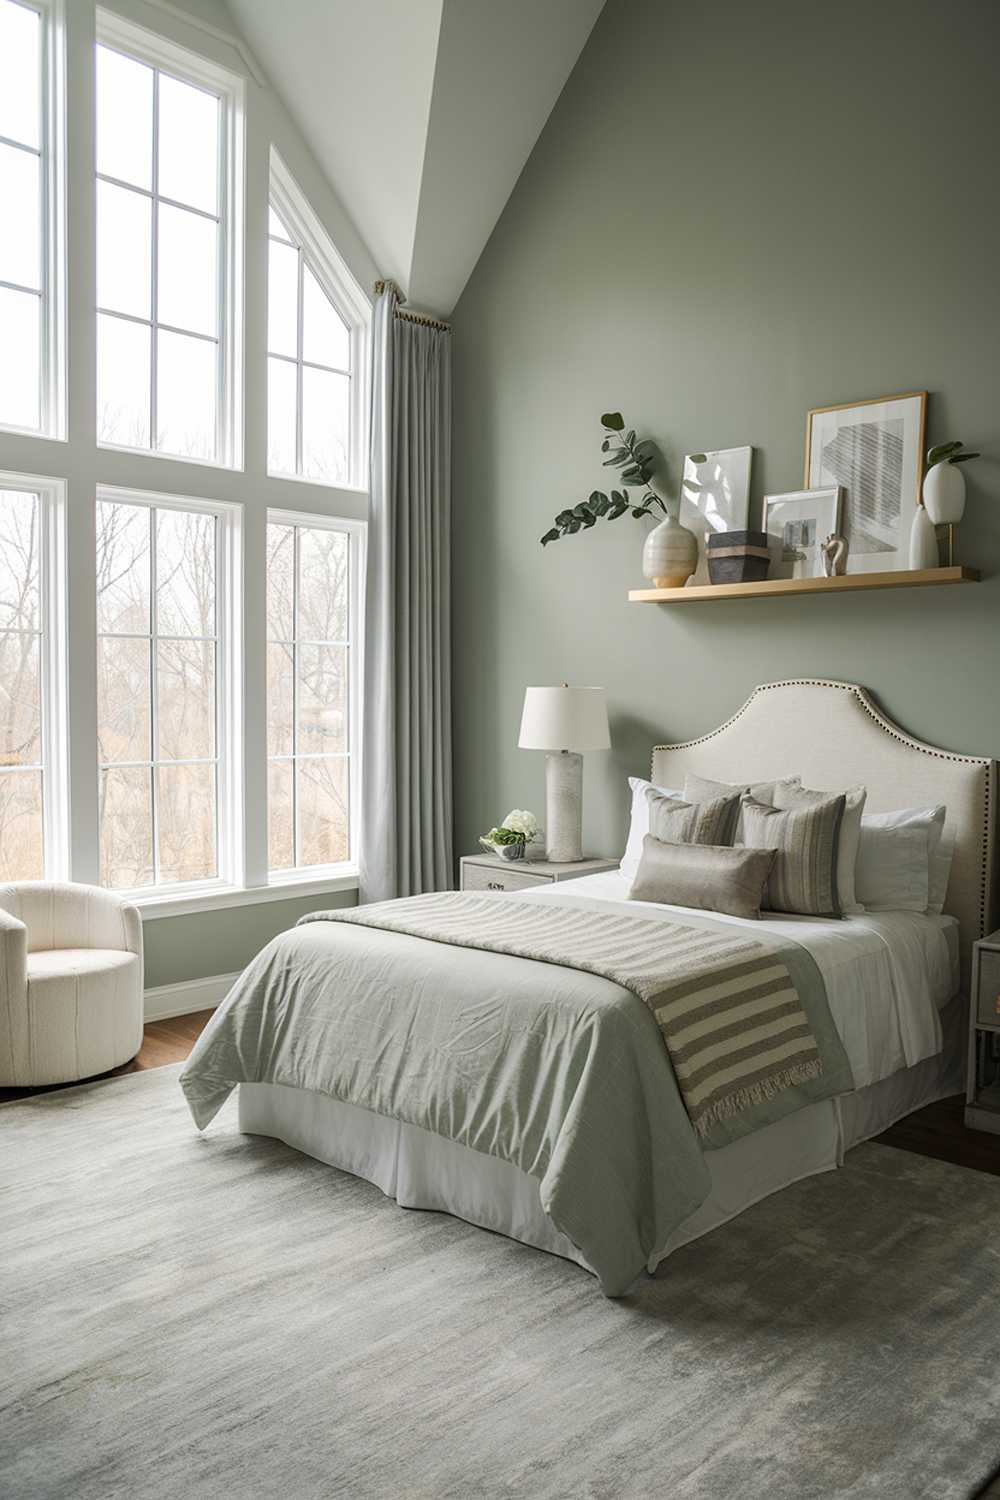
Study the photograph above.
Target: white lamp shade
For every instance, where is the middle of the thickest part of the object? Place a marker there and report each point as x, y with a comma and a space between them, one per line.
564, 718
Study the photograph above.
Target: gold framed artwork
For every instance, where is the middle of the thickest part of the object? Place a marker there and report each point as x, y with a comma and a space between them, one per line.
874, 449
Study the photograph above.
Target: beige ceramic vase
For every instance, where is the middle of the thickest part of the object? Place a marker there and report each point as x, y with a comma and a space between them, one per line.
670, 554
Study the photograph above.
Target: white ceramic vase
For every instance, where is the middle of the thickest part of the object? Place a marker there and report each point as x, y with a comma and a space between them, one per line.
669, 555
944, 494
923, 541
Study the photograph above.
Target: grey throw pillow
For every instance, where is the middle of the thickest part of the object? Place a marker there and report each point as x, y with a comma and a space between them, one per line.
675, 821
703, 876
850, 834
806, 840
702, 789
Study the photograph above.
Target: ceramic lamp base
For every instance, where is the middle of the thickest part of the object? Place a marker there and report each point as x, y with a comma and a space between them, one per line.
564, 807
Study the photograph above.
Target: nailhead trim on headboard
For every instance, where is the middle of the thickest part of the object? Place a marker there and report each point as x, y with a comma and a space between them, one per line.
879, 718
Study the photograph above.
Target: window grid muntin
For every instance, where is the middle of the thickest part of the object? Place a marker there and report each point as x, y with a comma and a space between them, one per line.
296, 755
152, 639
49, 390
221, 219
299, 361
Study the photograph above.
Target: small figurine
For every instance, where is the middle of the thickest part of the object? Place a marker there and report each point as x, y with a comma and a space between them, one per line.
834, 554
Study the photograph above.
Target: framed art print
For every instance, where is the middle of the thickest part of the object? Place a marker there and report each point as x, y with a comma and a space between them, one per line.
715, 496
796, 524
875, 450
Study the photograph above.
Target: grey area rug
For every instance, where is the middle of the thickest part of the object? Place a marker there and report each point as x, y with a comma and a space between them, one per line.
221, 1316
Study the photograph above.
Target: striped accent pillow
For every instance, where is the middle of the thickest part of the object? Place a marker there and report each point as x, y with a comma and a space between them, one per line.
803, 879
674, 821
703, 789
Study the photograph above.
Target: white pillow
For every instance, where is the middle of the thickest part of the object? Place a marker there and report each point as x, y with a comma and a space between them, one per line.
639, 824
895, 857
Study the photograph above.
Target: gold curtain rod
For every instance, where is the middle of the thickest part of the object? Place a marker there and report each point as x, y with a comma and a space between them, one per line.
419, 318
412, 317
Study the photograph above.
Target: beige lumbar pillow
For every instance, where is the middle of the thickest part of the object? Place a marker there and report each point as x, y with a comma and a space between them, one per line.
706, 877
806, 840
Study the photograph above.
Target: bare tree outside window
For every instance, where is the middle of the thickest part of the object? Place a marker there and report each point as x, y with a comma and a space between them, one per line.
157, 700
308, 687
21, 769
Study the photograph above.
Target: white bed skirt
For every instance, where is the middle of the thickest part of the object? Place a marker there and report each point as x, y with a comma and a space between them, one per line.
422, 1170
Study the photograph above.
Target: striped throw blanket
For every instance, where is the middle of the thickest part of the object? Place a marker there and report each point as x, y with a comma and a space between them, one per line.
734, 1026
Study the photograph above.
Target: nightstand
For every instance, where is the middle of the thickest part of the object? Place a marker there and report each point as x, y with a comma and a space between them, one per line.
488, 872
982, 1095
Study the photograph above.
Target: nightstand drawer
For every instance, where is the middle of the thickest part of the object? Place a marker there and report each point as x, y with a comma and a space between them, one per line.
499, 878
988, 996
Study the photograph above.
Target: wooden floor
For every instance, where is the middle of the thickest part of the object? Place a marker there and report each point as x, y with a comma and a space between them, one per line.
938, 1130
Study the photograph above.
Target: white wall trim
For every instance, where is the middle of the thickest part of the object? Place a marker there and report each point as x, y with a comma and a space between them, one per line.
181, 999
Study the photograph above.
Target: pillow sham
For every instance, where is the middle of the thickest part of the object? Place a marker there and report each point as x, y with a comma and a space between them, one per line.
639, 822
850, 834
896, 855
702, 789
706, 877
803, 879
675, 821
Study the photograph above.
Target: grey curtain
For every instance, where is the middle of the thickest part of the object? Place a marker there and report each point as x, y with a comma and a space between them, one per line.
406, 801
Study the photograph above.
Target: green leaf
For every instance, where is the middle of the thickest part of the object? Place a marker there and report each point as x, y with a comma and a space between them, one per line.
581, 510
639, 511
599, 503
644, 449
630, 437
618, 497
605, 445
935, 455
616, 511
573, 528
962, 458
613, 421
589, 521
563, 517
550, 536
698, 458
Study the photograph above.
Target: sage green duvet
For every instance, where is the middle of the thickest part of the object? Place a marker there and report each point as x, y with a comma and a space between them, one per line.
559, 1070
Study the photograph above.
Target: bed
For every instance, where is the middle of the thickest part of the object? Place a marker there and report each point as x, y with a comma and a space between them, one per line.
893, 982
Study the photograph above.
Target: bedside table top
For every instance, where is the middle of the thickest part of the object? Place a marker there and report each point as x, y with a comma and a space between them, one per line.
991, 940
542, 866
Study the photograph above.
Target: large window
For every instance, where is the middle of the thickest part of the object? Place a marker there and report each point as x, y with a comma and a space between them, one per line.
315, 348
167, 365
32, 743
31, 397
167, 740
313, 674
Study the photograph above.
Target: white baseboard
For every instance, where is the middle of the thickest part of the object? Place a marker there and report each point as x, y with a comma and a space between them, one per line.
168, 1000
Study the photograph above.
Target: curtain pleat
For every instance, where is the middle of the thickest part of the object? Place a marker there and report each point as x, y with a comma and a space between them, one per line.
406, 803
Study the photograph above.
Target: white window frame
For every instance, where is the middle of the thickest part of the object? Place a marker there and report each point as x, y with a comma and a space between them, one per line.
317, 251
53, 660
52, 157
357, 534
230, 840
190, 67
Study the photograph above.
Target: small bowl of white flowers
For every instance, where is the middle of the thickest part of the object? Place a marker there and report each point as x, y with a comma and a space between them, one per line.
518, 837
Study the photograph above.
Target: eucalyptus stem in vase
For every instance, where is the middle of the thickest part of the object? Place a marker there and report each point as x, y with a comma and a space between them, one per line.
670, 552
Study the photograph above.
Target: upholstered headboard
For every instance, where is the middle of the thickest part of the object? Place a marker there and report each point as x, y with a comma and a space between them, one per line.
834, 735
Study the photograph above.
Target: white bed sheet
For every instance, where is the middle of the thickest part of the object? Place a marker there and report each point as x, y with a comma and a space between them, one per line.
888, 977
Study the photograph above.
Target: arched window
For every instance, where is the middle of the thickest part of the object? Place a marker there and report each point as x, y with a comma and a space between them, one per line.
317, 319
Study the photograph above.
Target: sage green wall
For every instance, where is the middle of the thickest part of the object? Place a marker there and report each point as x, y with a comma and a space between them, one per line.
222, 942
736, 211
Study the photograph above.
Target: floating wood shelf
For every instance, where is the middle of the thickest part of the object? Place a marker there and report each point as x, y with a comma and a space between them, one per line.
773, 587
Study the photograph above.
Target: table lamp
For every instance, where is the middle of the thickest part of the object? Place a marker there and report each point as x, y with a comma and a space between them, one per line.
564, 720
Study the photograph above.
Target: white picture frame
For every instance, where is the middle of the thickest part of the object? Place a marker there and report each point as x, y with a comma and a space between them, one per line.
874, 449
715, 496
796, 523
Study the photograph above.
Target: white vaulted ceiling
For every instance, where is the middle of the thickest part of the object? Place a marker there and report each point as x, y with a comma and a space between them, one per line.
421, 113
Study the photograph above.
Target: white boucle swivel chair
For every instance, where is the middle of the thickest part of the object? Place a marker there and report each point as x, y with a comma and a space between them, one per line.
70, 982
